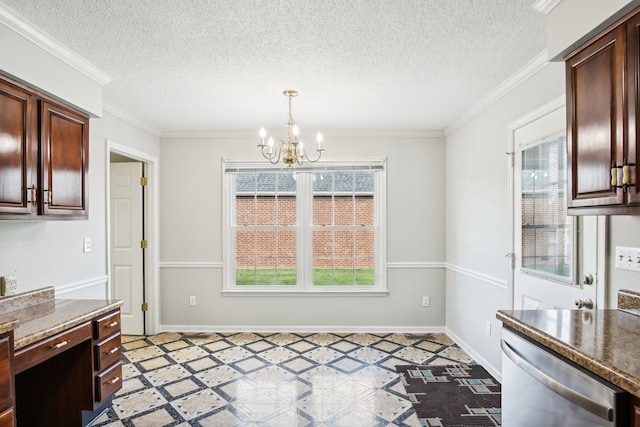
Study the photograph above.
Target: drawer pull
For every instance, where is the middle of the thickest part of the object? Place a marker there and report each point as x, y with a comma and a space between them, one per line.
59, 345
113, 381
112, 324
113, 350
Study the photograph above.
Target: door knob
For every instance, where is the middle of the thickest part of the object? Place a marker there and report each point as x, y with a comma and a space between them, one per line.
584, 303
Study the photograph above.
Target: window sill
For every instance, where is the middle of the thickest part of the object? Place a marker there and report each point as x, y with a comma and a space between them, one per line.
299, 293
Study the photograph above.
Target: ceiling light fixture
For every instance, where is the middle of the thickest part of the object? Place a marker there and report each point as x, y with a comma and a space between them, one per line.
292, 149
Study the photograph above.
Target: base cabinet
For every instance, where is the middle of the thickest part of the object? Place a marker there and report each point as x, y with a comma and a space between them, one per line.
68, 379
7, 394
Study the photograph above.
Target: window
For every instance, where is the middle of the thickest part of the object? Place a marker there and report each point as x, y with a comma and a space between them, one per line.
318, 228
548, 236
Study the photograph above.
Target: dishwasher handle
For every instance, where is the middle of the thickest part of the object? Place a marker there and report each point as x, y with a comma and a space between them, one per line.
559, 388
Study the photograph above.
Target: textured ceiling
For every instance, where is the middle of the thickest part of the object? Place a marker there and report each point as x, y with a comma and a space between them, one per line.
214, 65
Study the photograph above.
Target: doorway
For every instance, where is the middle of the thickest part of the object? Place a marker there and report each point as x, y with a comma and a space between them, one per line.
132, 256
557, 260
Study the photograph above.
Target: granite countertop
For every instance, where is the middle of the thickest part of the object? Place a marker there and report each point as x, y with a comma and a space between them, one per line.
37, 315
605, 342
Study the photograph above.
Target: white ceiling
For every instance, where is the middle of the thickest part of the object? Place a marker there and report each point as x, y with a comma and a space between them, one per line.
221, 65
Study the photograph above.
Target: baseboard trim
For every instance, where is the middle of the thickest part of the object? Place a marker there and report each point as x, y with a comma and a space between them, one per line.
475, 355
301, 329
82, 285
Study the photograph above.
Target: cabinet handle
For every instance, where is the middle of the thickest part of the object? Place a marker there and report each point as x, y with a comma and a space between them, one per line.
625, 175
113, 381
614, 175
113, 350
112, 324
59, 345
34, 194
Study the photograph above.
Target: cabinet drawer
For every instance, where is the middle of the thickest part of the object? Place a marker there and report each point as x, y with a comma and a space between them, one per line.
107, 325
6, 418
108, 382
108, 352
30, 356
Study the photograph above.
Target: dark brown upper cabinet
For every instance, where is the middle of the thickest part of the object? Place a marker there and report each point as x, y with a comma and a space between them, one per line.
602, 119
44, 156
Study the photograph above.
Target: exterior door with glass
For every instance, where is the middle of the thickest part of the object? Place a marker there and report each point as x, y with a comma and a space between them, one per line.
555, 256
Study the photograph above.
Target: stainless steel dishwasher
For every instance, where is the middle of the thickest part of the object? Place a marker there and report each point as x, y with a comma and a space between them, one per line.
541, 388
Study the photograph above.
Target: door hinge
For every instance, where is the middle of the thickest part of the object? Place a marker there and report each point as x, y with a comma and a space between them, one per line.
512, 258
145, 306
143, 181
511, 158
144, 244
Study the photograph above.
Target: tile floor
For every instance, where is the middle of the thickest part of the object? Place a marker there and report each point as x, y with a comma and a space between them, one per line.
271, 379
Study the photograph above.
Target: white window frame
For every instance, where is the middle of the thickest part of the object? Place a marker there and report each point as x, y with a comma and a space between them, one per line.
304, 230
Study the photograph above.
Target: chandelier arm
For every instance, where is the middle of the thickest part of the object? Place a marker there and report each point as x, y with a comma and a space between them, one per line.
291, 151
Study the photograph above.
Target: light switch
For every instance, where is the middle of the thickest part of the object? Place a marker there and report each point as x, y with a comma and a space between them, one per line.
628, 258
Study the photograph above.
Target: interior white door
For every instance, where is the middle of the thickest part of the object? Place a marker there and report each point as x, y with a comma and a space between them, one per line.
127, 256
555, 255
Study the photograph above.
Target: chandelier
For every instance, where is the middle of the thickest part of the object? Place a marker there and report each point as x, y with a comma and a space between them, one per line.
291, 150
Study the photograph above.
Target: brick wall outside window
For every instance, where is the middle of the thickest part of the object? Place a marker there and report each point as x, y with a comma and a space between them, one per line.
352, 248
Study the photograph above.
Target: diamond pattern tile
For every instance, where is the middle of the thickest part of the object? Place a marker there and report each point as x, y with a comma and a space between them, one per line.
271, 379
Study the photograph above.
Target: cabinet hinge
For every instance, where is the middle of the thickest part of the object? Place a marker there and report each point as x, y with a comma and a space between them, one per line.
143, 244
143, 181
145, 306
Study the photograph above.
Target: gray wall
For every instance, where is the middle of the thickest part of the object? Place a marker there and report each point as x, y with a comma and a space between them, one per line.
477, 214
191, 234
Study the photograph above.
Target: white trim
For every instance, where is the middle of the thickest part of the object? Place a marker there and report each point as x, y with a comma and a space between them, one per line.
28, 30
152, 224
479, 276
219, 264
534, 115
545, 6
474, 355
123, 115
416, 265
298, 329
299, 293
522, 75
81, 285
328, 135
190, 264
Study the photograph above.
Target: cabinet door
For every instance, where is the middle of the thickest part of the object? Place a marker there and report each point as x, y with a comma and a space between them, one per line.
633, 107
17, 150
65, 161
595, 120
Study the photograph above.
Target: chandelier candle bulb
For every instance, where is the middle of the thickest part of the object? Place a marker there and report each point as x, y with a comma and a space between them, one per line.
263, 133
319, 139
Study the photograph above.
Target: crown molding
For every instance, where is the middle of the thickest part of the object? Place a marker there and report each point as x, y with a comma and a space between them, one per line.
545, 6
26, 29
531, 68
129, 118
350, 133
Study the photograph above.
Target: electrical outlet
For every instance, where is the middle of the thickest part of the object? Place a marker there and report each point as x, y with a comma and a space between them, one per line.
192, 300
425, 301
87, 244
628, 258
9, 285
